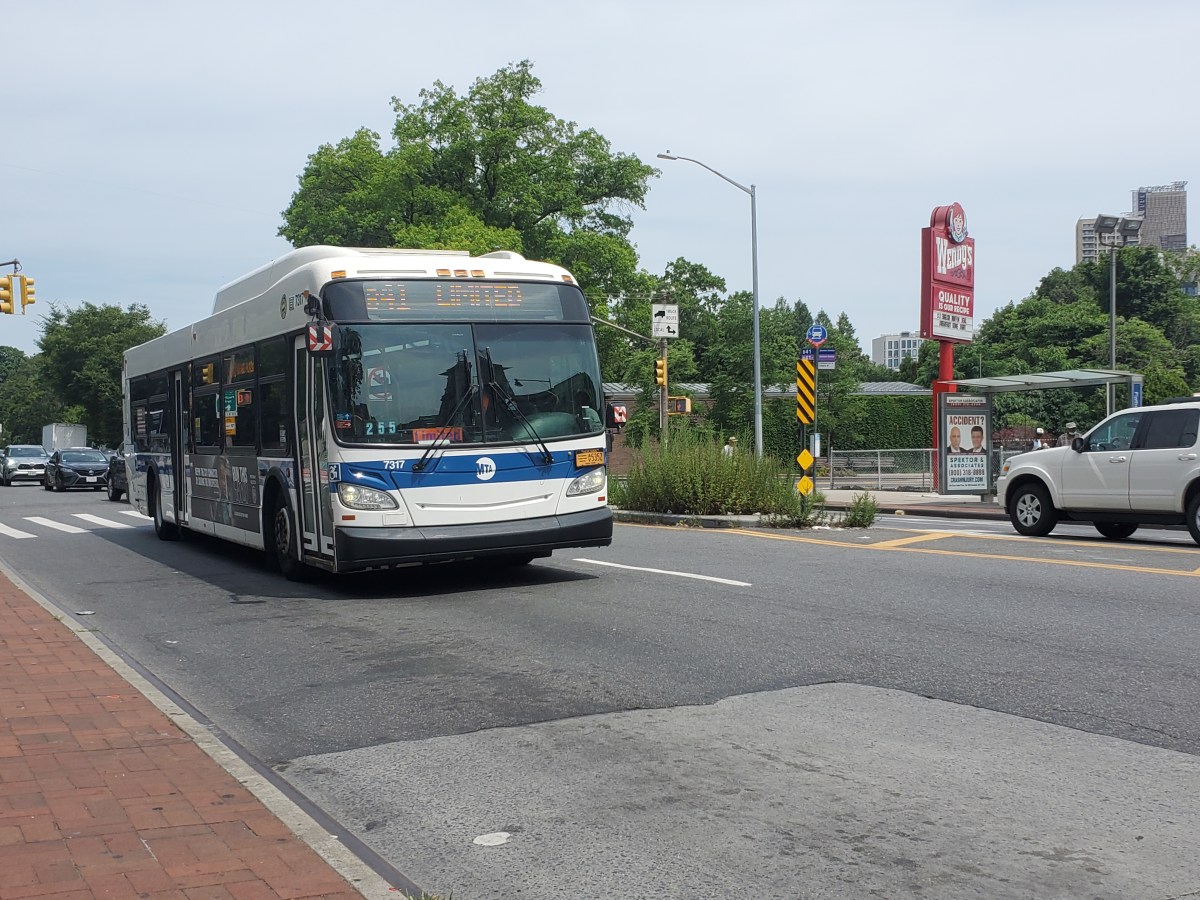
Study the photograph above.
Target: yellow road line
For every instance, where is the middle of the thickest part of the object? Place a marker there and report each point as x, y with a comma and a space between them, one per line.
1063, 540
1079, 563
901, 545
915, 539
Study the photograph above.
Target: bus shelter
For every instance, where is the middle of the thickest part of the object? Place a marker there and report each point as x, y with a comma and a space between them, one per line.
964, 421
1041, 381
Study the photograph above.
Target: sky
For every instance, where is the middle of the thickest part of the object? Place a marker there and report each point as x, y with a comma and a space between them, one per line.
150, 148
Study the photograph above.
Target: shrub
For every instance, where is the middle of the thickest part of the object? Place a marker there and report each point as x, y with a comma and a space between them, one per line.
692, 476
861, 512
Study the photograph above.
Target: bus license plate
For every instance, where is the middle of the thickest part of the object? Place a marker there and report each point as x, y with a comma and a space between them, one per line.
589, 458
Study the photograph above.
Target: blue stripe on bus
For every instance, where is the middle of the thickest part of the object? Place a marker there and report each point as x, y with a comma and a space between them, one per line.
449, 471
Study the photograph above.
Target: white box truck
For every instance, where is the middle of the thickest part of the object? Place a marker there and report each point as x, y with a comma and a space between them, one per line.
57, 435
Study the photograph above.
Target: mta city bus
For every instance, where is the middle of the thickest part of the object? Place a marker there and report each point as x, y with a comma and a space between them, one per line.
348, 409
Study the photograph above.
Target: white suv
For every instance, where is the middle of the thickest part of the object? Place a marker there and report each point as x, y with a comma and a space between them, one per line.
1138, 466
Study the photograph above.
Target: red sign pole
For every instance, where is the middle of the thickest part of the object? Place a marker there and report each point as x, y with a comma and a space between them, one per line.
947, 298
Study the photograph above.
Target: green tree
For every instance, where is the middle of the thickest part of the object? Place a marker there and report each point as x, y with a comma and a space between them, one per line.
11, 359
27, 402
81, 357
1147, 288
485, 170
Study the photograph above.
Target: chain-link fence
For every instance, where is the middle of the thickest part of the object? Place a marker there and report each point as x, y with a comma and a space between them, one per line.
884, 470
910, 469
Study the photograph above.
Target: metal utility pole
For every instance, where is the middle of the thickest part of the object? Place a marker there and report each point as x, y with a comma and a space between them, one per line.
662, 393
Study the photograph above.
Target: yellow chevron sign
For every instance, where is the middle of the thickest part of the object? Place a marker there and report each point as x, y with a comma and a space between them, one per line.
806, 391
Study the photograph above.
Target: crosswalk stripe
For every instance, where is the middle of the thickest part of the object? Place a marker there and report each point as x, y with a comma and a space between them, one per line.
14, 533
135, 514
100, 520
50, 523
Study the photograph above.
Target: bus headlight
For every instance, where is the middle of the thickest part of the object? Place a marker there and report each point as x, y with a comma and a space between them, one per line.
355, 496
587, 483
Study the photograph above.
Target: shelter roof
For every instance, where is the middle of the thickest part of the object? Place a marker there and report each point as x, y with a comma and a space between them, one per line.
1036, 381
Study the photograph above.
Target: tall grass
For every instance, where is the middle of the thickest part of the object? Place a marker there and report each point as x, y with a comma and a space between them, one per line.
692, 476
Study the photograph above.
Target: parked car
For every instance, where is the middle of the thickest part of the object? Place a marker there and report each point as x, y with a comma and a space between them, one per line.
1139, 466
23, 462
118, 481
76, 467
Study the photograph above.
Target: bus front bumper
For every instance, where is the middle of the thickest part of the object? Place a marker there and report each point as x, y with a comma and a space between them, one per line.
367, 548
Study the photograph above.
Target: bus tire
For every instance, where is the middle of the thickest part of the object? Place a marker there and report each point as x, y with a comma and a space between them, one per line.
166, 531
284, 548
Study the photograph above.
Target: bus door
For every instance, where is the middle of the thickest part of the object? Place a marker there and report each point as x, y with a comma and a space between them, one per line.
312, 484
181, 415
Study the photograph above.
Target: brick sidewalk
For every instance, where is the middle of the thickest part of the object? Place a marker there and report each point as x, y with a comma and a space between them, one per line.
102, 795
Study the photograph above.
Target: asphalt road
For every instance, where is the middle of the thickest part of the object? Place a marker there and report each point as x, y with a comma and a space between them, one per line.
926, 708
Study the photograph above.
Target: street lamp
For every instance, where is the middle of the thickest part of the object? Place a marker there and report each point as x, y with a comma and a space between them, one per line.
758, 423
1122, 229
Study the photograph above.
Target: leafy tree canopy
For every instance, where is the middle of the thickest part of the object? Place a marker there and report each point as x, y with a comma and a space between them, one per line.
485, 170
81, 356
10, 360
27, 402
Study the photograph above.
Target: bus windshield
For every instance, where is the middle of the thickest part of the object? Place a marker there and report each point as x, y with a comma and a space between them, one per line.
393, 383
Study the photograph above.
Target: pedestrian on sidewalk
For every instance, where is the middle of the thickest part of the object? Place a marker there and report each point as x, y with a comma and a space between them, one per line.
1064, 439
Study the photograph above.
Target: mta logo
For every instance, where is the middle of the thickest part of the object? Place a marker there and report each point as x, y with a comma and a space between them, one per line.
485, 468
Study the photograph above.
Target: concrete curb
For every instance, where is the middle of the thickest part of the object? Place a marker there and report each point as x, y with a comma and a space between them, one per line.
992, 513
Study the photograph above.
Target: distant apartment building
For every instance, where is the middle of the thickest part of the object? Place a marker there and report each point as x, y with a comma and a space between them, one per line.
891, 349
1163, 211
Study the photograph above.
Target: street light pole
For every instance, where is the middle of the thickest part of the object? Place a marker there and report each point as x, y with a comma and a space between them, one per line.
758, 422
1122, 228
1110, 393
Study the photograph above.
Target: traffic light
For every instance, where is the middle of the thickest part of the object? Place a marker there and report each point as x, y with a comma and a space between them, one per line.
660, 366
6, 295
27, 292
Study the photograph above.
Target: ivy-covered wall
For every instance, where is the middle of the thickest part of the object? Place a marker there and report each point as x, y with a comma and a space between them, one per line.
892, 422
862, 423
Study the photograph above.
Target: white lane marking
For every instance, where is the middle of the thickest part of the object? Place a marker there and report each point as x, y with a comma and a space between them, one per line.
60, 526
135, 514
99, 520
597, 562
14, 533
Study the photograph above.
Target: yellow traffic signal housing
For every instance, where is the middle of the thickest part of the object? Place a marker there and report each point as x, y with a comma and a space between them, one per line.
679, 406
27, 291
6, 294
660, 370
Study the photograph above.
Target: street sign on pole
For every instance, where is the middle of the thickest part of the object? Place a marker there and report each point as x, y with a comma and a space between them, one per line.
816, 334
806, 392
664, 320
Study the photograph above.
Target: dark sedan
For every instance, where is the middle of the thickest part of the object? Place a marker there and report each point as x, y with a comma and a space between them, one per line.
76, 468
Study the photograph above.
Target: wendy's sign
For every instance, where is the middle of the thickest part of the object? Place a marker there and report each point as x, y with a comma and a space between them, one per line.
947, 277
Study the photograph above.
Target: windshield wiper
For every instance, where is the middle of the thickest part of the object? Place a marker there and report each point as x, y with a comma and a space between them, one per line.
511, 405
420, 464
